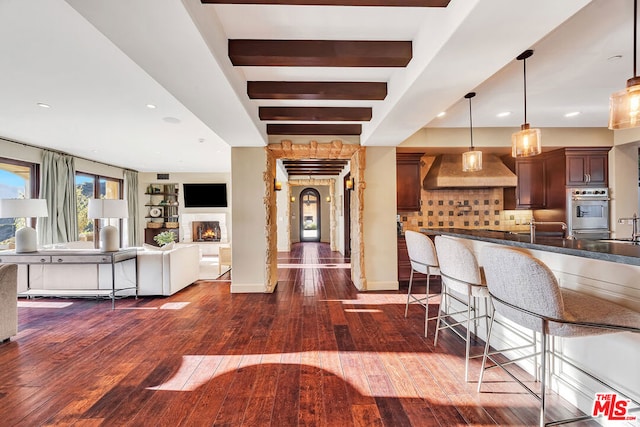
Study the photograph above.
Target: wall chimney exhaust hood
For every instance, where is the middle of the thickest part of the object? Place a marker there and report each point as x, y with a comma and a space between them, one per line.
446, 172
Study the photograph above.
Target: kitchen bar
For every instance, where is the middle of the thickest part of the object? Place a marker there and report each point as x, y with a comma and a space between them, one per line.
608, 270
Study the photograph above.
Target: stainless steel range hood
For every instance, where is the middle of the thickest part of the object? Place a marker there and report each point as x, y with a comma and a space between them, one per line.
446, 172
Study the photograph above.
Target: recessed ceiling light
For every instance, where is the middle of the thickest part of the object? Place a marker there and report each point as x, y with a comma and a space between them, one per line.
43, 105
441, 114
171, 120
572, 114
504, 114
201, 140
151, 106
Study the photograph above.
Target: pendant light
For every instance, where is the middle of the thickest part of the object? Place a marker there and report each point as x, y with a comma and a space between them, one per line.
472, 159
526, 142
624, 106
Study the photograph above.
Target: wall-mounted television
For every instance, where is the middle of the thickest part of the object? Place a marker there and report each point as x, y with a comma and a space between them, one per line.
205, 195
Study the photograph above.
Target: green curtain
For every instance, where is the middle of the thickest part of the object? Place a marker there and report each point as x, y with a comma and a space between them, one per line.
57, 186
131, 195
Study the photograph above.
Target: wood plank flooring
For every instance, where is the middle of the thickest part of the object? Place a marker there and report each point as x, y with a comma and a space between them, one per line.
314, 353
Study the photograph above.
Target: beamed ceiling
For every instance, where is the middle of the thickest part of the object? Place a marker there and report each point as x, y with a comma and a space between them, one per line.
320, 120
177, 84
314, 166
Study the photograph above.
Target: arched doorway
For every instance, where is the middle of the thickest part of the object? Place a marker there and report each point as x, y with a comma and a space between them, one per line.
310, 228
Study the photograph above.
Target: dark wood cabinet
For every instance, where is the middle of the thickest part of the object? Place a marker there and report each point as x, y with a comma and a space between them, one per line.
587, 167
408, 183
530, 191
404, 265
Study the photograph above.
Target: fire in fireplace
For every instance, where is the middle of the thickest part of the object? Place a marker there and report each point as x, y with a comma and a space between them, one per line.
206, 231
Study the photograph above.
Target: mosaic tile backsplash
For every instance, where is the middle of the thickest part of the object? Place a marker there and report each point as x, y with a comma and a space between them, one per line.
480, 208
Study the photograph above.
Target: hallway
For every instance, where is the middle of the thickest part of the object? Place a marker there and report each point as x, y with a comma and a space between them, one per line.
315, 352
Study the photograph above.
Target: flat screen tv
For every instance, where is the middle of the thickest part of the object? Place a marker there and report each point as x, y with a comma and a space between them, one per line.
205, 195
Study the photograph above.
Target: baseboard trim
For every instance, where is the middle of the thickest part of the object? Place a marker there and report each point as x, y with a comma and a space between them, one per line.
247, 288
382, 286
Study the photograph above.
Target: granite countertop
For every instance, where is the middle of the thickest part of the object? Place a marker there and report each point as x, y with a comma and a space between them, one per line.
624, 253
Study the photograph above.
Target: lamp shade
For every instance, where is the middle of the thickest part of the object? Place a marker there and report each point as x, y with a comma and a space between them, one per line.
526, 142
624, 106
471, 161
107, 208
23, 208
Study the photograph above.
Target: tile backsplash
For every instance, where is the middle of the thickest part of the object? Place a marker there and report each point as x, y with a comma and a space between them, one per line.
480, 208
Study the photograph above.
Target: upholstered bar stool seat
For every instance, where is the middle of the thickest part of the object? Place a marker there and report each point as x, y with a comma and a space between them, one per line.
462, 281
524, 290
423, 258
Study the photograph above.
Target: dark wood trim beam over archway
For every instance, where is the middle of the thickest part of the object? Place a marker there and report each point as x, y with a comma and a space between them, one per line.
370, 91
387, 3
314, 129
349, 114
320, 53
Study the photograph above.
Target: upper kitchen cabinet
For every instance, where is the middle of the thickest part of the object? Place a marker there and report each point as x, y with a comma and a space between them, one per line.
530, 191
408, 182
587, 167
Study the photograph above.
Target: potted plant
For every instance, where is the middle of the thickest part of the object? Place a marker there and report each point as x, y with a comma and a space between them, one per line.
165, 238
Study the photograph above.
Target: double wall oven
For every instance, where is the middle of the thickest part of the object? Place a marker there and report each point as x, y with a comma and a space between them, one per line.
588, 213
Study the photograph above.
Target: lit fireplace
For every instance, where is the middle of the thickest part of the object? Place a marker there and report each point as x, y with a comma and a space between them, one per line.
206, 231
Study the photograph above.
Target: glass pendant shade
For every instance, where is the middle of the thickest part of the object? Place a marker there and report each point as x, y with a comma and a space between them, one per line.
526, 142
472, 161
624, 106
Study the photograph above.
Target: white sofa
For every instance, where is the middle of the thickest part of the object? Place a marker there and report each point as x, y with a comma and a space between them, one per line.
165, 272
159, 272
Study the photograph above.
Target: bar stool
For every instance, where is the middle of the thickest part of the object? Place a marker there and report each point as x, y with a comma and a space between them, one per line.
525, 291
462, 281
422, 255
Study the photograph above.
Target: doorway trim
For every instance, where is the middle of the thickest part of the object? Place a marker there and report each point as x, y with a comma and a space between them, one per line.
285, 149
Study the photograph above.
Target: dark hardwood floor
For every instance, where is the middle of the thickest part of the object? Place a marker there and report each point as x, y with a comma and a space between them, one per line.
315, 352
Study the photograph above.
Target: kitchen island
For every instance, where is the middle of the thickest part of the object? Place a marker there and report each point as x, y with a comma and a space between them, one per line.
608, 270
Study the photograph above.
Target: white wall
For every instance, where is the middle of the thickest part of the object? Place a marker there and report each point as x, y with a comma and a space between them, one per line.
501, 137
248, 219
282, 201
380, 234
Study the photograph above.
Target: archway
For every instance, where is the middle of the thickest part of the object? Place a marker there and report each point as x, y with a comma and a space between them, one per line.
314, 150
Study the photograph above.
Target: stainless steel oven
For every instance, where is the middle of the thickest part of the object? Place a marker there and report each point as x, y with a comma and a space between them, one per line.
588, 213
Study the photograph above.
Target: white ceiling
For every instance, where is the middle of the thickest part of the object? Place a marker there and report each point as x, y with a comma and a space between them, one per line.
99, 63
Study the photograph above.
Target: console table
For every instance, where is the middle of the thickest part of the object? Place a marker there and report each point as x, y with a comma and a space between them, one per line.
73, 257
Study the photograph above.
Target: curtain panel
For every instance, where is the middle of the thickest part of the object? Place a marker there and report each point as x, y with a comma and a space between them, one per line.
131, 195
57, 186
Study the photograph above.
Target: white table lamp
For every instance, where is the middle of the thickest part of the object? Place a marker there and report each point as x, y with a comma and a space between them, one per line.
26, 237
106, 209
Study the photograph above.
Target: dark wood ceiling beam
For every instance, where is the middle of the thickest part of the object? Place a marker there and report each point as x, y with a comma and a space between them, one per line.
388, 3
314, 170
315, 162
319, 53
369, 91
345, 114
314, 129
338, 168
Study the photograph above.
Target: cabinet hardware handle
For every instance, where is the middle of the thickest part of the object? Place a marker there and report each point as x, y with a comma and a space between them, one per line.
60, 260
43, 260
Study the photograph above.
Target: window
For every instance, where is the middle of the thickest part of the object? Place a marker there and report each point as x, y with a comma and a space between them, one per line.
94, 187
18, 180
